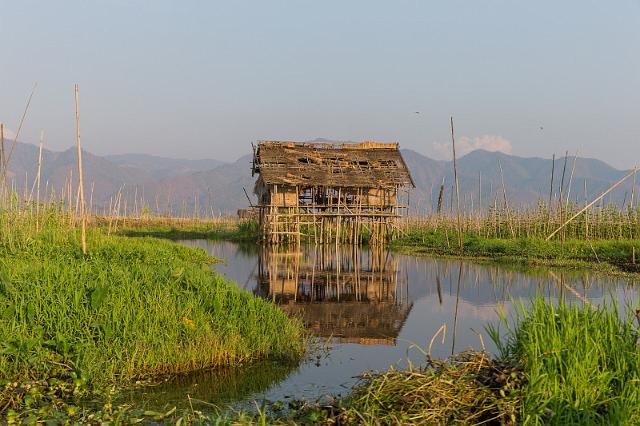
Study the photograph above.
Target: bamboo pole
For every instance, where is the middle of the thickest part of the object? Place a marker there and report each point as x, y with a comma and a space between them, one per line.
586, 216
573, 169
633, 192
39, 174
455, 176
3, 163
80, 174
440, 194
553, 169
479, 192
560, 195
506, 201
91, 198
24, 115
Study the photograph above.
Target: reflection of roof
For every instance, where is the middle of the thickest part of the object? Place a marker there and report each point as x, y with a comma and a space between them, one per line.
366, 165
356, 322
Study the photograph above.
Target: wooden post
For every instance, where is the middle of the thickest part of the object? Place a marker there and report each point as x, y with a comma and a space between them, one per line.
553, 168
586, 215
38, 175
80, 174
479, 193
573, 169
506, 201
3, 164
455, 176
24, 115
338, 220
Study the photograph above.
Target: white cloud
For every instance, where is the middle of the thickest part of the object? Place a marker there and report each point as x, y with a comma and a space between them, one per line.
465, 145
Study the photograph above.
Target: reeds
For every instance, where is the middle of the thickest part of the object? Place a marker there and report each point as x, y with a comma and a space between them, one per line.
582, 364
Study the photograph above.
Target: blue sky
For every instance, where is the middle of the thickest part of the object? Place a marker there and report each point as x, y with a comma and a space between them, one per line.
205, 79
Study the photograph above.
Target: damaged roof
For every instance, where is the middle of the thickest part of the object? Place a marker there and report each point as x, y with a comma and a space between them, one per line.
367, 164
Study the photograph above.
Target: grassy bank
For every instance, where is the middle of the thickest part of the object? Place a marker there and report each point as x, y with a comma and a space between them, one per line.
130, 309
606, 255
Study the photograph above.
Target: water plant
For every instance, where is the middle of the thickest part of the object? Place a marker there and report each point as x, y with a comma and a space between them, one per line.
581, 363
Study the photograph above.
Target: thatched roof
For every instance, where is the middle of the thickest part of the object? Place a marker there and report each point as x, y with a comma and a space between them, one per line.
366, 164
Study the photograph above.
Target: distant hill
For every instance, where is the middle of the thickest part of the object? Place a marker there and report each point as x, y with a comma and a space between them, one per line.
526, 179
163, 167
211, 187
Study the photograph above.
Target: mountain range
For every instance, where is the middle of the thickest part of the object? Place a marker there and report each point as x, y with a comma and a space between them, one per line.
211, 187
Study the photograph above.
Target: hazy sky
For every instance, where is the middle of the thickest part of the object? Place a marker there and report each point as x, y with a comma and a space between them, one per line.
205, 79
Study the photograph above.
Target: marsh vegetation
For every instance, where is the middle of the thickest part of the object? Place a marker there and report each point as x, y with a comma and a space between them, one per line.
128, 310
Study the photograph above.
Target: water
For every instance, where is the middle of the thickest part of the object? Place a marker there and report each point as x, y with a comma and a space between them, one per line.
374, 309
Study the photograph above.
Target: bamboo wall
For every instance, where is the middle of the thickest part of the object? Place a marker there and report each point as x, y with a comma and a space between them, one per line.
328, 215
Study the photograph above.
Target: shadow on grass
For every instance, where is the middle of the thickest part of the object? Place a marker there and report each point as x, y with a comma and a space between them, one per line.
239, 232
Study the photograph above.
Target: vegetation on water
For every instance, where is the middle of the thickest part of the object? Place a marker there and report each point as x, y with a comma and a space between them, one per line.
130, 309
610, 255
469, 388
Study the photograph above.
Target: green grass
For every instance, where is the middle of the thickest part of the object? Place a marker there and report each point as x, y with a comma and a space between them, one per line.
582, 364
129, 309
610, 255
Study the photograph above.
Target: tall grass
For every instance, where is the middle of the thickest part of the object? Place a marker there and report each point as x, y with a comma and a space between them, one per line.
130, 308
582, 364
607, 236
607, 221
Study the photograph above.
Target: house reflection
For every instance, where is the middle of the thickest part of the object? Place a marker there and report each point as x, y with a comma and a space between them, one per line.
350, 294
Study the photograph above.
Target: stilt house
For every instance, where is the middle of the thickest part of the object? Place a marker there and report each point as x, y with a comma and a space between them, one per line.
329, 192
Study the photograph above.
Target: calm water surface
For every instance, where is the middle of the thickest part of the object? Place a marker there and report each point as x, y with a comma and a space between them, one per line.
375, 309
